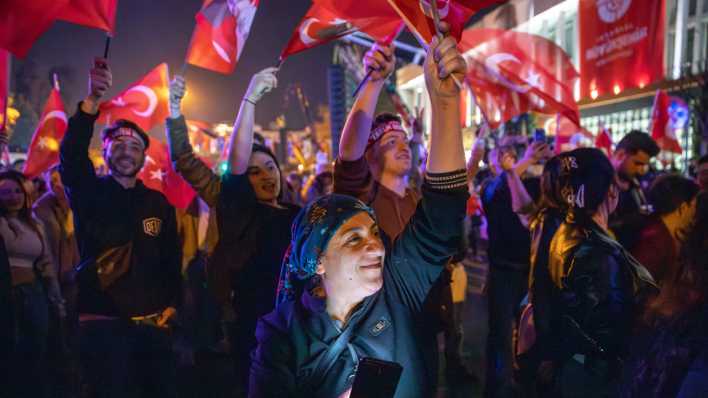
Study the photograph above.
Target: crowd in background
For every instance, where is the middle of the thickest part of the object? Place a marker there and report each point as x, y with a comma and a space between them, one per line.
597, 277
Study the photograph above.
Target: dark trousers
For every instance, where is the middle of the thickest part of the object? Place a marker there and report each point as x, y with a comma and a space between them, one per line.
27, 365
505, 289
121, 359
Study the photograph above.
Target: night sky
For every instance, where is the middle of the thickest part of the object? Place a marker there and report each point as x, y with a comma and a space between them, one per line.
149, 32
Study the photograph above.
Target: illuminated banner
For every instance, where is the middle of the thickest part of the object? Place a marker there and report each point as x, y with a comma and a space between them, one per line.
621, 45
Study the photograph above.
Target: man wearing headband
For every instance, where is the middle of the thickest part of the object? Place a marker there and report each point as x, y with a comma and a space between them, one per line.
374, 153
129, 275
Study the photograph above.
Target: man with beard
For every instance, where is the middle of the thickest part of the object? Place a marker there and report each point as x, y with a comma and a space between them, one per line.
129, 275
631, 161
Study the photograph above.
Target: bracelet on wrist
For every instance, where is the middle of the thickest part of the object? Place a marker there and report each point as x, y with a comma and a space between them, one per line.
250, 101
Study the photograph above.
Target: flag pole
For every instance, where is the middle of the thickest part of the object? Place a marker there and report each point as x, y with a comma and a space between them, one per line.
55, 81
107, 47
436, 21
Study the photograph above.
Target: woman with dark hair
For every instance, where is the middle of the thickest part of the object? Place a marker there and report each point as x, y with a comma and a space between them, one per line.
669, 354
597, 285
34, 284
543, 218
252, 220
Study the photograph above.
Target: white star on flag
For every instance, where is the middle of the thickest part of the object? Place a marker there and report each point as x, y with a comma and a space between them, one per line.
534, 79
158, 174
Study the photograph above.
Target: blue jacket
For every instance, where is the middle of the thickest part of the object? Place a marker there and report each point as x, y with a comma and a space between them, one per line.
388, 325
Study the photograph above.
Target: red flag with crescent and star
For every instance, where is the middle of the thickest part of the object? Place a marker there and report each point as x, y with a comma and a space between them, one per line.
145, 102
220, 33
512, 73
158, 174
44, 150
329, 20
99, 14
418, 15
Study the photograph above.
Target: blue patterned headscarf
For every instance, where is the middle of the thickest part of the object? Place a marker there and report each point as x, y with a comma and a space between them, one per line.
312, 229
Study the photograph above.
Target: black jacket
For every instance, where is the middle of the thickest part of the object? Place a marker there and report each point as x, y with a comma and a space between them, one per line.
597, 286
107, 215
388, 325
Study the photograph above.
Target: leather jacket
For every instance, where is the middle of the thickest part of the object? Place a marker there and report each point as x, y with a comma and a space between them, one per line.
597, 286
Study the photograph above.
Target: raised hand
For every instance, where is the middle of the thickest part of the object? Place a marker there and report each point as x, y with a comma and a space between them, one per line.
100, 80
381, 60
178, 88
261, 83
444, 65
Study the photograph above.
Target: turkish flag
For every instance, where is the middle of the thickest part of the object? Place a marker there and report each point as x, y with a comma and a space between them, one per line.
145, 102
621, 44
4, 87
663, 130
512, 73
220, 34
23, 21
158, 174
99, 14
328, 20
44, 150
603, 141
418, 15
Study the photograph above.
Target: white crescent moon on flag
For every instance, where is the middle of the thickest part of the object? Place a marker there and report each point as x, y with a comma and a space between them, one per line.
152, 100
492, 65
304, 37
61, 115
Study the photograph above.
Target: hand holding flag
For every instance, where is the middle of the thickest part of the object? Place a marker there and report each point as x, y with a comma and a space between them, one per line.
100, 80
444, 66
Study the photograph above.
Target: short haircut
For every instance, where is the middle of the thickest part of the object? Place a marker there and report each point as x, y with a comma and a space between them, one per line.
124, 123
636, 141
669, 191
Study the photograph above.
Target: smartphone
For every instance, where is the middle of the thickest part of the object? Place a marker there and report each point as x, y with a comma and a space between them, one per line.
376, 378
539, 135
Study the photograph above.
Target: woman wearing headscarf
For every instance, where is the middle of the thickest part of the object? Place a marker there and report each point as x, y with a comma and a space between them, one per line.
347, 293
252, 220
598, 286
34, 286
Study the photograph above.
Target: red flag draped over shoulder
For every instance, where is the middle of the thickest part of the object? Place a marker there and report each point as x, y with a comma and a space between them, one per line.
44, 150
621, 44
158, 174
328, 20
23, 21
145, 102
220, 34
418, 15
511, 73
99, 14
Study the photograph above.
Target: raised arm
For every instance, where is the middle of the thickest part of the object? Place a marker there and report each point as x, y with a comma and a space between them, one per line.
381, 60
76, 167
242, 137
188, 165
444, 68
521, 202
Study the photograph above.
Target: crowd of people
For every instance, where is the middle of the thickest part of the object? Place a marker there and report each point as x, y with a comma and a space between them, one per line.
269, 287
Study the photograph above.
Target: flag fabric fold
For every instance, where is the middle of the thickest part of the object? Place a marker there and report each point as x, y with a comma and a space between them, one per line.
4, 88
603, 141
23, 21
43, 151
512, 73
99, 14
145, 102
667, 116
159, 174
222, 28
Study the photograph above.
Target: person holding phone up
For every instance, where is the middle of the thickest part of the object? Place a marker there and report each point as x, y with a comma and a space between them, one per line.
348, 293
